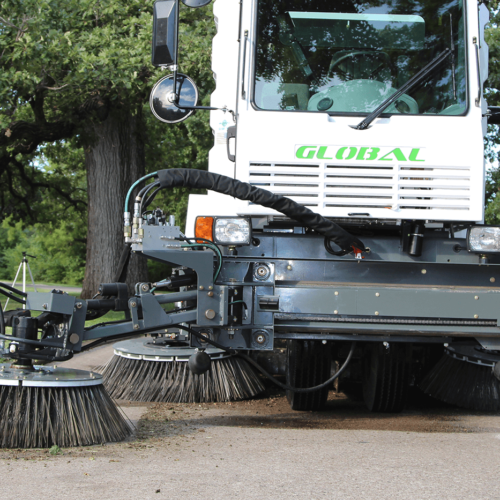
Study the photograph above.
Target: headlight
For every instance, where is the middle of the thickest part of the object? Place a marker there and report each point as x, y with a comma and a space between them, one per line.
483, 239
224, 230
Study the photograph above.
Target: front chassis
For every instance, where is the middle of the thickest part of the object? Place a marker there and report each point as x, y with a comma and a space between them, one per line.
286, 286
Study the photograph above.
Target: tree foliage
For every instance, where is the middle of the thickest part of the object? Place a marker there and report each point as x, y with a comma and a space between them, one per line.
67, 64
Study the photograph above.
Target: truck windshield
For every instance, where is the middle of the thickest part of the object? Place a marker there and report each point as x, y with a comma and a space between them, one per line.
348, 56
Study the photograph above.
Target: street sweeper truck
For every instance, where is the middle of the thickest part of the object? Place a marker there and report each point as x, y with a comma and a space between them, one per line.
343, 220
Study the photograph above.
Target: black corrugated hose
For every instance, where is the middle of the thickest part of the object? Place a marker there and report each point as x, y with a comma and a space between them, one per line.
201, 179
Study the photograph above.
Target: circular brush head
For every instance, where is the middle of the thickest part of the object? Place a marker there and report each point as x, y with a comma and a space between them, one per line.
464, 377
56, 406
143, 371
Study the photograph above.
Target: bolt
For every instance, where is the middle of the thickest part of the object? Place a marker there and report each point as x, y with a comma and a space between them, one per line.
289, 267
74, 338
336, 293
202, 287
144, 288
323, 342
476, 298
260, 339
210, 314
136, 327
133, 304
424, 271
261, 271
446, 345
210, 294
79, 305
476, 316
377, 294
376, 313
335, 312
210, 287
45, 306
492, 280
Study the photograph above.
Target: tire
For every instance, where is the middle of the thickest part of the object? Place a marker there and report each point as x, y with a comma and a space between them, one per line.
386, 377
309, 363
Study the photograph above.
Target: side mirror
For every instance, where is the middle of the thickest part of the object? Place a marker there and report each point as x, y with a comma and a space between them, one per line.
165, 26
196, 3
168, 106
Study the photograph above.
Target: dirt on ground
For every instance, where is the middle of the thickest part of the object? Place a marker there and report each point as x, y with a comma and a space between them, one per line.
165, 424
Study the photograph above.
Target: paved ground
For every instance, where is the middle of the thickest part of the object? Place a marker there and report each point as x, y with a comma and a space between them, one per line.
261, 450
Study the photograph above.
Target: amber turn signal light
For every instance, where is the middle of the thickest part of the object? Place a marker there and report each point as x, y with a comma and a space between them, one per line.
204, 228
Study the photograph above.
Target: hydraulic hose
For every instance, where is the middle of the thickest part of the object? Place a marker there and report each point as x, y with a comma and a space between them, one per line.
264, 372
134, 185
201, 179
12, 289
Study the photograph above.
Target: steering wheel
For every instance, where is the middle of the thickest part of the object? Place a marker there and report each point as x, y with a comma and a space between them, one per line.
360, 72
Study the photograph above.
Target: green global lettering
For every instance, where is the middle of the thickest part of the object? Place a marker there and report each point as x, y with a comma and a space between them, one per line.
359, 153
321, 154
398, 155
306, 152
350, 155
414, 154
372, 153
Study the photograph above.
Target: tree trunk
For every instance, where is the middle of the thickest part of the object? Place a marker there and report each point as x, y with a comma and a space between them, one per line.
114, 160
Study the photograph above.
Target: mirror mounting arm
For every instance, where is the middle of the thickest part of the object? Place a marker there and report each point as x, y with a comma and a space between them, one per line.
225, 109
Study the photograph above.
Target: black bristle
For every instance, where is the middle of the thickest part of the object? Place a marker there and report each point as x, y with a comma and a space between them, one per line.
228, 379
463, 384
40, 417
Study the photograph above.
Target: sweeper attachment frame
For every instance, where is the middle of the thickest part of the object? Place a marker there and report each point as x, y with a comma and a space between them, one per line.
248, 295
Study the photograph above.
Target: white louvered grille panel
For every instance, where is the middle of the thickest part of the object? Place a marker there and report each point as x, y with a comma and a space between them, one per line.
398, 187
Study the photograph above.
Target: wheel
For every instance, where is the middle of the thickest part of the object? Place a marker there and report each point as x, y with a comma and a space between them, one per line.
369, 63
309, 363
386, 377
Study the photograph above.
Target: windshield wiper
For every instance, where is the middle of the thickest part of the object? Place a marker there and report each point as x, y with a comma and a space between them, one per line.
421, 75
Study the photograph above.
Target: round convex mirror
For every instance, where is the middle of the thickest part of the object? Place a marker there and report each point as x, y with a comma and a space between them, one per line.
162, 98
196, 3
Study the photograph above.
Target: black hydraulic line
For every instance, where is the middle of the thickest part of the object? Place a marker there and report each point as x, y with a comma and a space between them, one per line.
183, 177
2, 321
12, 289
144, 192
151, 198
300, 389
42, 343
13, 297
105, 340
264, 372
39, 355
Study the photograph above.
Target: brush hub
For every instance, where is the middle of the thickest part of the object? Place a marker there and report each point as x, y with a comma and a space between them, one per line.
144, 349
47, 376
474, 355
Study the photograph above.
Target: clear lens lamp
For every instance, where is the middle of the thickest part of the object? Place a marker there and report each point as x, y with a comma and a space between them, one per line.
232, 231
484, 239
